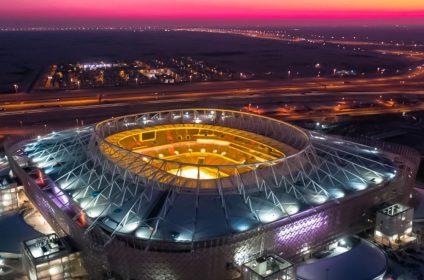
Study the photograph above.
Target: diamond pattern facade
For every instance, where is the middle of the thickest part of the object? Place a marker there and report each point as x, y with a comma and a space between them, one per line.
142, 220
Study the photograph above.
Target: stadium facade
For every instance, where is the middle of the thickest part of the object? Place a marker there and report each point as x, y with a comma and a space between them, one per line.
181, 194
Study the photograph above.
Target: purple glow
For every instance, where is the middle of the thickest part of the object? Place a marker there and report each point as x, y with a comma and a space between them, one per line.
59, 195
305, 226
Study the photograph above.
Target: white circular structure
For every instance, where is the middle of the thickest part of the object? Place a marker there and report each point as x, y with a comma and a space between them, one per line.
207, 187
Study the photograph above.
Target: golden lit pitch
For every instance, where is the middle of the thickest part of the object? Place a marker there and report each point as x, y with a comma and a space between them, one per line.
199, 151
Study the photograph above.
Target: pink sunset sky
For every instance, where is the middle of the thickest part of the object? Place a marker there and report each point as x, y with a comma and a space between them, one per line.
223, 11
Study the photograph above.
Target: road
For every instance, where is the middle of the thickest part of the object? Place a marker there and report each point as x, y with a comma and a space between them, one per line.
290, 99
17, 122
326, 86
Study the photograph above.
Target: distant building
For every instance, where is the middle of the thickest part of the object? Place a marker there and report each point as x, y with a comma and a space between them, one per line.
154, 73
94, 65
166, 79
342, 73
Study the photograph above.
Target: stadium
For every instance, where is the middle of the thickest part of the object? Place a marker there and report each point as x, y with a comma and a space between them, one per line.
182, 193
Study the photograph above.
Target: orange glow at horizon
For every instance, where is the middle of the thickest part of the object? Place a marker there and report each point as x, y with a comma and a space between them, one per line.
142, 9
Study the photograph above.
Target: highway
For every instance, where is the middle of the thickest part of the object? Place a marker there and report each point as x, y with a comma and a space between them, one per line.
320, 105
291, 99
260, 93
325, 86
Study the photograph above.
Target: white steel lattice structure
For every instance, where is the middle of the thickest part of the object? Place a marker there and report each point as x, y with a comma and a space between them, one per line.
203, 190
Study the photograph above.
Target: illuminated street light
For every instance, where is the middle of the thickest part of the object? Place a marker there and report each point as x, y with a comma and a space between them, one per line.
16, 87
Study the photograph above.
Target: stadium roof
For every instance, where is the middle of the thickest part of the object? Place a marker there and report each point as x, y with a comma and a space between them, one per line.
126, 194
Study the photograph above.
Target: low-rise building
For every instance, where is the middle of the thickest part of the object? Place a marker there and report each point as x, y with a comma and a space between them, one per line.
51, 257
394, 225
8, 191
269, 267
